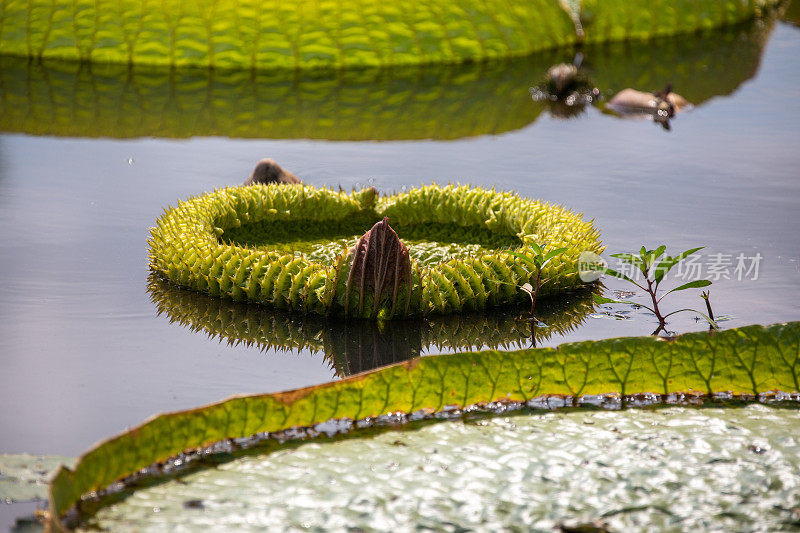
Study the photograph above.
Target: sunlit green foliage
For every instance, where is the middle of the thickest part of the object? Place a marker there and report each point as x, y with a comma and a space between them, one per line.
331, 34
277, 34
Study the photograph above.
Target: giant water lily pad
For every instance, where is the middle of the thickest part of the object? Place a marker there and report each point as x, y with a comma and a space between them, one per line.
312, 35
676, 468
24, 477
752, 362
297, 248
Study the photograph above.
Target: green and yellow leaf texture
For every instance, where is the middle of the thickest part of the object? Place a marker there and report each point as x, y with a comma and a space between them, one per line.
288, 247
310, 34
748, 361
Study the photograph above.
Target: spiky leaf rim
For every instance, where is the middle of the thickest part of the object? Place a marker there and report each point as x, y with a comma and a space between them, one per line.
185, 248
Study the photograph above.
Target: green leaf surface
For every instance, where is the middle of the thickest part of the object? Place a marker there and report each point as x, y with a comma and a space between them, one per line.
530, 261
274, 34
328, 34
748, 360
696, 284
610, 272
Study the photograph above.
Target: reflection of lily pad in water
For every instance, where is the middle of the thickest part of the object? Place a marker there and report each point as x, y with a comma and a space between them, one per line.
356, 346
411, 103
699, 67
792, 13
435, 102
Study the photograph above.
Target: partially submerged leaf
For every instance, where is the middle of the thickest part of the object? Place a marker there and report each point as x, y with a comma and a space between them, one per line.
750, 360
599, 299
610, 272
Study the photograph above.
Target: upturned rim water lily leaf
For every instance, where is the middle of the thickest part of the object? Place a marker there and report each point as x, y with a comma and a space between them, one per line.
203, 244
751, 360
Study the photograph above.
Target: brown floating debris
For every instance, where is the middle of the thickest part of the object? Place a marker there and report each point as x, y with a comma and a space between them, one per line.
380, 265
268, 171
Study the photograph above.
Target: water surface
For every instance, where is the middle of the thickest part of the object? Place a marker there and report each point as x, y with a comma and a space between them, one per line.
90, 157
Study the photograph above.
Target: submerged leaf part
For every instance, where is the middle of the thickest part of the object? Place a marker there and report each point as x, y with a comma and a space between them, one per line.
751, 360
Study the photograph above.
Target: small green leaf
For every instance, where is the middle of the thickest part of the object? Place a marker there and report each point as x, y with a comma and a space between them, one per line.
602, 299
610, 272
668, 262
523, 257
628, 258
696, 284
553, 253
653, 256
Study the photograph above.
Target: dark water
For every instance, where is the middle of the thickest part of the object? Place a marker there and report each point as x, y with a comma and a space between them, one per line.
92, 155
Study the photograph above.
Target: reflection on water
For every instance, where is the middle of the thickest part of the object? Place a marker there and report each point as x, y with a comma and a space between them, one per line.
443, 102
411, 103
699, 67
792, 13
355, 346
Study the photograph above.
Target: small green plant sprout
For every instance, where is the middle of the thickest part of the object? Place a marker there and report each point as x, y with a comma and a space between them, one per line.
706, 295
535, 265
654, 265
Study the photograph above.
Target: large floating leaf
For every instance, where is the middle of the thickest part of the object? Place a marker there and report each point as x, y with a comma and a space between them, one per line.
308, 34
243, 243
749, 360
278, 34
671, 469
